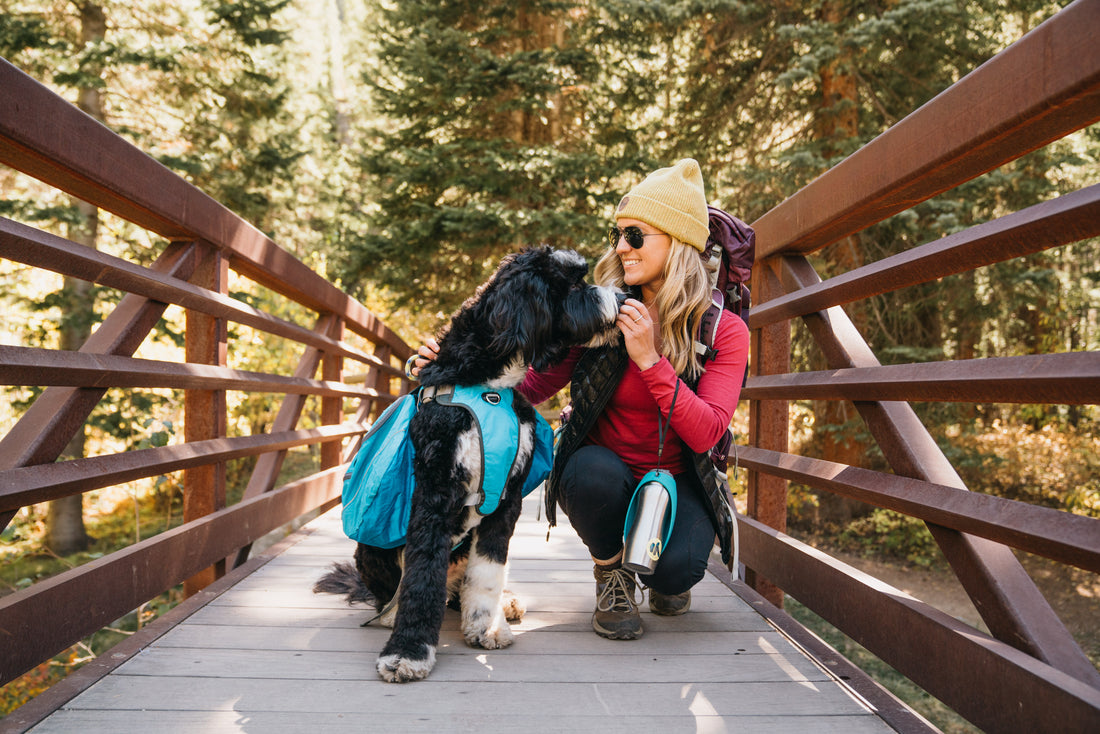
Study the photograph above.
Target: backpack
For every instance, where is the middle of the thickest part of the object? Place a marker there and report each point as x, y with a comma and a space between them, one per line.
733, 244
378, 486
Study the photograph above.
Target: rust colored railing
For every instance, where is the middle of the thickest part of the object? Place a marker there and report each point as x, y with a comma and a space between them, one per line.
1029, 674
48, 138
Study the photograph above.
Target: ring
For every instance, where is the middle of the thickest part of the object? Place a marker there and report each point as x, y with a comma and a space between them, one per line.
409, 365
637, 319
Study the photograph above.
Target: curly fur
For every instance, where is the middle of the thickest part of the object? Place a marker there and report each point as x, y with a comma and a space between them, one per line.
533, 309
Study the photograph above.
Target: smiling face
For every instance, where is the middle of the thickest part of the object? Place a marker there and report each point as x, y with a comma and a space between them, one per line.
645, 266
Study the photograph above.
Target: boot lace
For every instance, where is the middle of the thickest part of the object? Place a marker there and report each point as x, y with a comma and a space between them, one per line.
618, 593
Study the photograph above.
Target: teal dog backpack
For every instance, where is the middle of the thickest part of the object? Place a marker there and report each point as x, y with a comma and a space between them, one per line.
379, 484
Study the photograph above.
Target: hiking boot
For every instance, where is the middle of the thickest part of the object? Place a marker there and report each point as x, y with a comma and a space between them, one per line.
669, 605
616, 616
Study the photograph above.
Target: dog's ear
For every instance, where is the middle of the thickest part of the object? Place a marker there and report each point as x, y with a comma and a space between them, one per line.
520, 313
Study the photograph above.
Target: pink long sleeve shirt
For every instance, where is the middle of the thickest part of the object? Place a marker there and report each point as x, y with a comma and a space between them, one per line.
629, 423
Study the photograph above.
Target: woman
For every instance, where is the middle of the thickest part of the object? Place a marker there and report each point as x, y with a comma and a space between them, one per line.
622, 397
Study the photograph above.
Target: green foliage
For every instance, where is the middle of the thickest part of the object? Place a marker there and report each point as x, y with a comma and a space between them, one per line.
507, 126
1054, 465
250, 19
893, 535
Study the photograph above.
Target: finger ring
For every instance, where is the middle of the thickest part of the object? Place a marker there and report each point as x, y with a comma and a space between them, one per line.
409, 363
637, 319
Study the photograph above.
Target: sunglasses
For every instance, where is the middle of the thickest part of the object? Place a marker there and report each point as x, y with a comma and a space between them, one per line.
634, 236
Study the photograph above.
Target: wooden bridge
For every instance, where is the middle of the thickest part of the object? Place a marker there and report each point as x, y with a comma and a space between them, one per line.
268, 655
253, 649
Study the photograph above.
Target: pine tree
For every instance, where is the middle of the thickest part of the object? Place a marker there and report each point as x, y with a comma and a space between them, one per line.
495, 140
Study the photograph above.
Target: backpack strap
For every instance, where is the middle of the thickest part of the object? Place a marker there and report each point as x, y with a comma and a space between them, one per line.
708, 327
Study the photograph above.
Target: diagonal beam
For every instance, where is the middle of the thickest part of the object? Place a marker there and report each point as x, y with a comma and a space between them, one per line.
44, 431
1014, 609
30, 246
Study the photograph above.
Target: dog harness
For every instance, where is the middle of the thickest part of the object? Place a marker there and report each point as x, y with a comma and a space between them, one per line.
379, 484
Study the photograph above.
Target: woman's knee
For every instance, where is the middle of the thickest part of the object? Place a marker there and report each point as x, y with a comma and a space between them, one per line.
684, 563
595, 480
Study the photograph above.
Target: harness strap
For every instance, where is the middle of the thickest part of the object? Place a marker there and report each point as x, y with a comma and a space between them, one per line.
708, 327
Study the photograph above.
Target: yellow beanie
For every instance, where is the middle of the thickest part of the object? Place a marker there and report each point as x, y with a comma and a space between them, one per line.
672, 200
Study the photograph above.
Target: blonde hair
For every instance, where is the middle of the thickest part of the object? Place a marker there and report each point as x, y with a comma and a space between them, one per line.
681, 301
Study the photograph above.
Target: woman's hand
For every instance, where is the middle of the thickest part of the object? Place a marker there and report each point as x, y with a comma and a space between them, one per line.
637, 327
425, 354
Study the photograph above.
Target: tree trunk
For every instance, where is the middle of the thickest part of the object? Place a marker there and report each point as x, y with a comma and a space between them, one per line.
336, 61
65, 532
838, 119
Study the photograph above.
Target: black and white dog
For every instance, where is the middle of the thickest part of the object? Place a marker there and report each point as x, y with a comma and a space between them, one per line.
529, 313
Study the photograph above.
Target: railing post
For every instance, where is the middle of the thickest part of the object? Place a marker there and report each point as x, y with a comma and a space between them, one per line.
205, 410
768, 420
332, 408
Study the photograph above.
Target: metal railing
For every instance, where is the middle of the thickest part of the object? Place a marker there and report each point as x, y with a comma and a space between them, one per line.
48, 138
1028, 674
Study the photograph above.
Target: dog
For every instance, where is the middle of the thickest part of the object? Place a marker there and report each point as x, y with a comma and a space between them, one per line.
530, 312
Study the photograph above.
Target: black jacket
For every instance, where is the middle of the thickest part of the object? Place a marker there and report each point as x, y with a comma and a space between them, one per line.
595, 378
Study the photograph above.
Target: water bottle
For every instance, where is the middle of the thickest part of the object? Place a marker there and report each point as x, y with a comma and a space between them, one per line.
649, 522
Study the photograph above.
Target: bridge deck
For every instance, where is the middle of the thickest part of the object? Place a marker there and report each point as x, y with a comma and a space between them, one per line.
268, 655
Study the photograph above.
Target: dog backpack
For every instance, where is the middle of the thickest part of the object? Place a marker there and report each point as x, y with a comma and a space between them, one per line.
379, 484
733, 244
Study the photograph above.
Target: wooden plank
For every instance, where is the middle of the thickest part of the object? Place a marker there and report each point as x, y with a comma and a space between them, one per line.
579, 619
483, 722
672, 640
603, 699
458, 663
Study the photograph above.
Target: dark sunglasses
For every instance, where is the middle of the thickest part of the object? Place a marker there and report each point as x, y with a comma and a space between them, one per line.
634, 236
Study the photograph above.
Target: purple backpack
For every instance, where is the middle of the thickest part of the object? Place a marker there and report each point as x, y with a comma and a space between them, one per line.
734, 244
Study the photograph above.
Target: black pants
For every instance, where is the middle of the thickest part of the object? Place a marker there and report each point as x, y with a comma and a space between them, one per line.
596, 487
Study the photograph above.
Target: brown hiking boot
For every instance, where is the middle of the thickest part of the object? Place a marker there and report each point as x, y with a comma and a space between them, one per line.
616, 616
669, 605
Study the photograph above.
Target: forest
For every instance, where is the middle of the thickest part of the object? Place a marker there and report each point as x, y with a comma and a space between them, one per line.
401, 147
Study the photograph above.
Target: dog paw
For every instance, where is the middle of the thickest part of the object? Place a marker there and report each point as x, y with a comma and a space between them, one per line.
493, 638
512, 606
397, 669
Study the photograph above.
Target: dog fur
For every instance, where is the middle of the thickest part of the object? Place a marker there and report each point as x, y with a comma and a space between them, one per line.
529, 313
